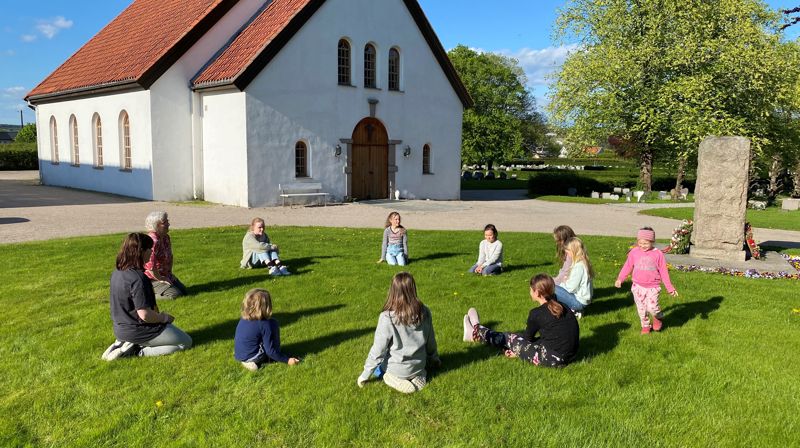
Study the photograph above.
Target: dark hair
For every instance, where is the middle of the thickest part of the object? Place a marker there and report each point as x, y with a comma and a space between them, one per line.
562, 234
403, 301
492, 228
647, 228
544, 285
130, 253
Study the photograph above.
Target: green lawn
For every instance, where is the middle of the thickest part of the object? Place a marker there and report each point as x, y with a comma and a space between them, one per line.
771, 218
722, 373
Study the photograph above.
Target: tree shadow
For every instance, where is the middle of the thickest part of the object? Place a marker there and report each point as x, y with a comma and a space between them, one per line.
13, 220
599, 293
603, 339
679, 314
316, 345
226, 330
436, 256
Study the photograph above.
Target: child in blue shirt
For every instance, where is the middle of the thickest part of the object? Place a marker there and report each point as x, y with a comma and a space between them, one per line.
257, 340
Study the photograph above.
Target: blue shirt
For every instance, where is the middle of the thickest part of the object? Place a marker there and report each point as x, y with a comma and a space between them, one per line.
252, 336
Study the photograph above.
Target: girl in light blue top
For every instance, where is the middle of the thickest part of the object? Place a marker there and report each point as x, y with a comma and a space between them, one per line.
576, 290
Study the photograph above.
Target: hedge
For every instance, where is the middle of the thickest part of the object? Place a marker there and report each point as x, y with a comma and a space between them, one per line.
19, 156
558, 183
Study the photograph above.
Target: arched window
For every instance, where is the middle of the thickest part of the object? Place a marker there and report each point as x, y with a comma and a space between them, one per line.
73, 141
53, 141
125, 141
426, 159
344, 63
300, 160
97, 128
369, 67
394, 69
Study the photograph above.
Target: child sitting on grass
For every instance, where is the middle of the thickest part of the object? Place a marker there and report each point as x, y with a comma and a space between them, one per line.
394, 248
404, 339
576, 290
649, 268
490, 253
561, 235
259, 252
257, 340
557, 344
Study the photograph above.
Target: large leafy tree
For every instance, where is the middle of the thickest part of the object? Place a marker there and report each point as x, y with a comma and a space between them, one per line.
27, 134
504, 119
661, 75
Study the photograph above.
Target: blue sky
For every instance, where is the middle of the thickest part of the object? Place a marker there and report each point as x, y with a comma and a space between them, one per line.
37, 36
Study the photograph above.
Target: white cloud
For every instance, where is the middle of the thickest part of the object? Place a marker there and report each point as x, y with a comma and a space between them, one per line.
9, 53
49, 28
15, 91
539, 63
28, 37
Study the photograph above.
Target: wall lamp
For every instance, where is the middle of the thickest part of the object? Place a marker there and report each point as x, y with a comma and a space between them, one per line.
407, 152
337, 150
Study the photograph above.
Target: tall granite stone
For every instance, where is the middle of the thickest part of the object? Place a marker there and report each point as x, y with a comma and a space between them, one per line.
720, 198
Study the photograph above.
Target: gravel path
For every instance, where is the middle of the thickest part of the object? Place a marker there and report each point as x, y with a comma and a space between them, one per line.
31, 212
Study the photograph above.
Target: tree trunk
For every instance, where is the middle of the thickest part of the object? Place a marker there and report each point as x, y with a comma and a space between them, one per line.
646, 169
775, 184
681, 176
796, 180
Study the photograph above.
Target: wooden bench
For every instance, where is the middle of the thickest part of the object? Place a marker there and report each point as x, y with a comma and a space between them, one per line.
302, 189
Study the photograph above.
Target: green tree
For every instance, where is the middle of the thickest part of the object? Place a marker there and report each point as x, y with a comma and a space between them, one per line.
27, 134
503, 118
661, 75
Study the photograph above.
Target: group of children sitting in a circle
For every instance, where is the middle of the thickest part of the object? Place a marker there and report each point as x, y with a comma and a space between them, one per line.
405, 340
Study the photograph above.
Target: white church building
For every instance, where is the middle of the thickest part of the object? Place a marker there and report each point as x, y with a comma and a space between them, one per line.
225, 100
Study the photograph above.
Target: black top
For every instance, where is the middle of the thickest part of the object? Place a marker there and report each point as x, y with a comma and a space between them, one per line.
131, 290
558, 334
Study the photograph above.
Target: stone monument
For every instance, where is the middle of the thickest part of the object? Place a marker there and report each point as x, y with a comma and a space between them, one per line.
723, 164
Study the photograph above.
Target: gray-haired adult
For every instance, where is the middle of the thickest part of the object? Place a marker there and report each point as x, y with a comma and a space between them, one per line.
159, 267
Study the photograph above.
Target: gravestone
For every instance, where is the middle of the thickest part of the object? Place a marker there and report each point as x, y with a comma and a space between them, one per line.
790, 204
721, 198
595, 195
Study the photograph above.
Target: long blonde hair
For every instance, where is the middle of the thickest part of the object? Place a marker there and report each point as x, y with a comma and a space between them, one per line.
402, 300
579, 253
257, 305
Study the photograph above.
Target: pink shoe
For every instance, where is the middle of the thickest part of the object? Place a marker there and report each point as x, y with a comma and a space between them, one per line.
657, 324
645, 330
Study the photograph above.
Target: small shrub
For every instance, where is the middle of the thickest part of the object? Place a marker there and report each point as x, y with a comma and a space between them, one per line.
557, 183
19, 156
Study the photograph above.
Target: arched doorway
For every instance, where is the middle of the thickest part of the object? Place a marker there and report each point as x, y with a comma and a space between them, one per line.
369, 162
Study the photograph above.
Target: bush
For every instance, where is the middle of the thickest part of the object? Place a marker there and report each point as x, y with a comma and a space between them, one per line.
550, 183
19, 156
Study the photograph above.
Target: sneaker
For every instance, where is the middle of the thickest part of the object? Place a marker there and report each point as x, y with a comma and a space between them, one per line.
120, 350
657, 324
467, 329
249, 365
474, 319
274, 271
284, 271
645, 330
578, 315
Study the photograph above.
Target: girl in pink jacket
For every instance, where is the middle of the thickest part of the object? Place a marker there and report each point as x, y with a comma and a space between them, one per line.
649, 269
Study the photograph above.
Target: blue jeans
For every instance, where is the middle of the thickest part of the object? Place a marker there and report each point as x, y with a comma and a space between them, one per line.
567, 298
262, 259
491, 269
395, 255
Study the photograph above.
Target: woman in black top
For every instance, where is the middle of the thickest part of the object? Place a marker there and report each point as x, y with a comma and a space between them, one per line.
558, 330
139, 327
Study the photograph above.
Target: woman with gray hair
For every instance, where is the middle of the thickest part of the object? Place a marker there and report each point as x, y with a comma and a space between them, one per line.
159, 267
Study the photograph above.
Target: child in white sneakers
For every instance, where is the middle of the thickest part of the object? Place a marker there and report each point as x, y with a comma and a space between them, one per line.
649, 268
258, 250
404, 339
257, 340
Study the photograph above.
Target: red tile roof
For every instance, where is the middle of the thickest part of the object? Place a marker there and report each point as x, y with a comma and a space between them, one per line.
136, 47
250, 43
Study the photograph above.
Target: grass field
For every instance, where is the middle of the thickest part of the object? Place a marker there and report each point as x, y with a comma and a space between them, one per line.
771, 218
722, 373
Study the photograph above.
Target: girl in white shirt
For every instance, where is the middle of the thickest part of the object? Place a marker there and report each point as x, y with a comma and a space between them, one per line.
490, 253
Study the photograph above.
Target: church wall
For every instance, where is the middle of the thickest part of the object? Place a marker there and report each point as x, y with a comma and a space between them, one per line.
225, 147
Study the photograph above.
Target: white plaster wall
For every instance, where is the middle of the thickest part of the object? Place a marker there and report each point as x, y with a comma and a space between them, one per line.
173, 108
137, 182
225, 171
296, 97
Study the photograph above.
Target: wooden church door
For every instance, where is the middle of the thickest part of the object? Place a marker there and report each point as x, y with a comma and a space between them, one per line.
370, 160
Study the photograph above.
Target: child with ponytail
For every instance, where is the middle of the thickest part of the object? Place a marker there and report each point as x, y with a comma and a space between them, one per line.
557, 344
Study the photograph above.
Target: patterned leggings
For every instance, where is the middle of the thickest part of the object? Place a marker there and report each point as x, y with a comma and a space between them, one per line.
515, 346
646, 302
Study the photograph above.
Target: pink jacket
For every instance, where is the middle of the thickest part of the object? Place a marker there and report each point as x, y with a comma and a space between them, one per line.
649, 269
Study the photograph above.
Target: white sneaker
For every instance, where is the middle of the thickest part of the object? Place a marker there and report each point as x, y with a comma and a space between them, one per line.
274, 271
578, 315
118, 350
285, 271
251, 366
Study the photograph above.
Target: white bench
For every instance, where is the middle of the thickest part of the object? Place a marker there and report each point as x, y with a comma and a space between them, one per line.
302, 189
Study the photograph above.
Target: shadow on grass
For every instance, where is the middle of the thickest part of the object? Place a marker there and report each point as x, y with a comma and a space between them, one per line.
523, 267
436, 256
474, 352
300, 265
316, 345
603, 339
223, 285
608, 306
226, 330
681, 313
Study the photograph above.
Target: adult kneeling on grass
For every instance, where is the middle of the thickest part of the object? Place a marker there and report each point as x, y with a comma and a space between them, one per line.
158, 266
139, 327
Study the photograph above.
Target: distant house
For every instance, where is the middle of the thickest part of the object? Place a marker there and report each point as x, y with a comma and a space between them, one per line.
226, 99
7, 136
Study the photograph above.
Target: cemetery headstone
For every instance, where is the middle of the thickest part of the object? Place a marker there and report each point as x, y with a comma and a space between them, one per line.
595, 195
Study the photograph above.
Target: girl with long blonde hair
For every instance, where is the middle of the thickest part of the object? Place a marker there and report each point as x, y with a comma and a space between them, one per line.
576, 290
